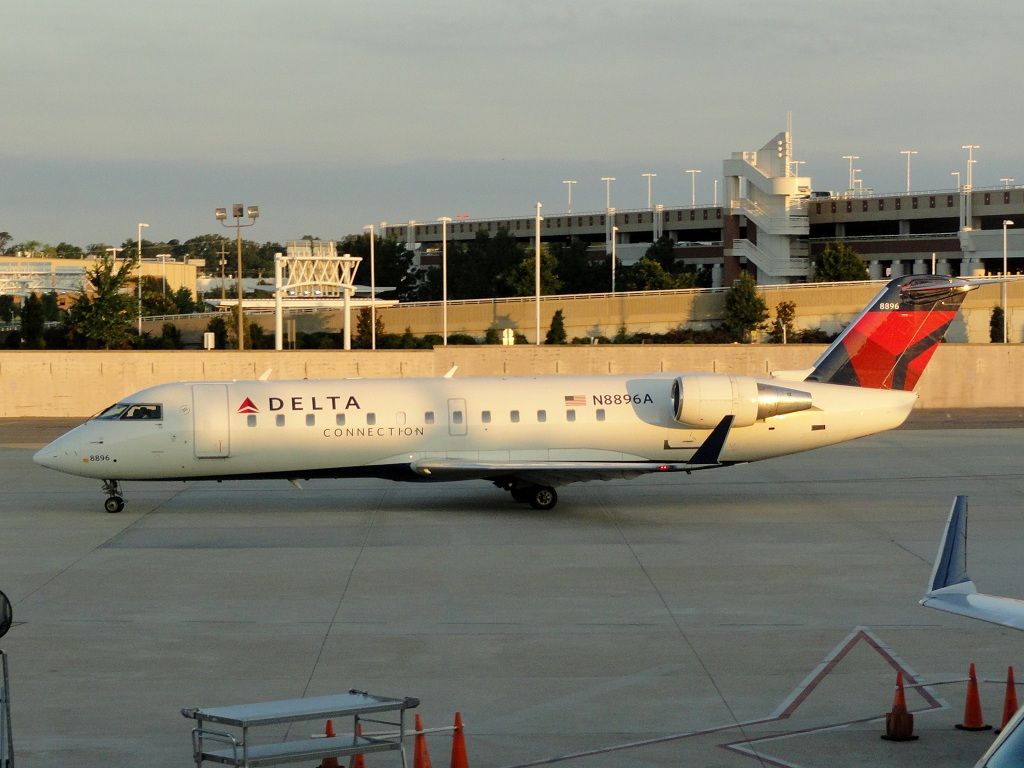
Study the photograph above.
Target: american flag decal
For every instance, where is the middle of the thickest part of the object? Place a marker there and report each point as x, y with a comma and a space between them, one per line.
571, 400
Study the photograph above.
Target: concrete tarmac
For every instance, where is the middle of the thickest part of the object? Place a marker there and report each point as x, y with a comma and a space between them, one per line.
744, 616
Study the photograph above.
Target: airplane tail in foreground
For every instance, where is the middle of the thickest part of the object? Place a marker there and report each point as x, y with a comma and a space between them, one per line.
890, 343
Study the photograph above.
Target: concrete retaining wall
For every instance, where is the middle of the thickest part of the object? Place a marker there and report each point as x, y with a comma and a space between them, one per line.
82, 383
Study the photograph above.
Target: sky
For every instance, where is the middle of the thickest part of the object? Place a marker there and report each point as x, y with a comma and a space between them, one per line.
333, 115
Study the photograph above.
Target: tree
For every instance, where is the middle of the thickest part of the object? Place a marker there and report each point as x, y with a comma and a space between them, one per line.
556, 333
68, 251
576, 269
392, 264
662, 251
105, 315
5, 239
363, 337
32, 322
521, 280
51, 308
155, 300
745, 309
782, 329
838, 263
219, 329
646, 275
6, 308
995, 326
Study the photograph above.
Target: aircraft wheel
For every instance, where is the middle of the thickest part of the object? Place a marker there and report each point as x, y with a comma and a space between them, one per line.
113, 504
543, 497
522, 494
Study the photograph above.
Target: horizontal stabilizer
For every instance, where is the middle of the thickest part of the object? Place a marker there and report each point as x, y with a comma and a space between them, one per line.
950, 589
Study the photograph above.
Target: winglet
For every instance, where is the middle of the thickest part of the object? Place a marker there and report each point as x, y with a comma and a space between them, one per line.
711, 449
951, 561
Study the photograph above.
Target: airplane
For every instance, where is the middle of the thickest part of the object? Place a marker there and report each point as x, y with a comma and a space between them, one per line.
950, 589
526, 435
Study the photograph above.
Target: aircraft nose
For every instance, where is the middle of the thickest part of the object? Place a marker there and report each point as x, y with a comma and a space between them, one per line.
59, 455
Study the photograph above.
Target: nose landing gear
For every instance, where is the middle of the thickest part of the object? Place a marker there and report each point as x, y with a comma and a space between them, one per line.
114, 502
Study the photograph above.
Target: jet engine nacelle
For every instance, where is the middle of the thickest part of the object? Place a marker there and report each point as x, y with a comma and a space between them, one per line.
703, 400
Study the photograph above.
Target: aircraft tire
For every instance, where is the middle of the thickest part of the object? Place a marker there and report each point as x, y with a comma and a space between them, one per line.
543, 497
113, 504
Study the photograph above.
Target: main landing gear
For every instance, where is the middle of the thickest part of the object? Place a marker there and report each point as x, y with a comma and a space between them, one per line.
114, 502
541, 497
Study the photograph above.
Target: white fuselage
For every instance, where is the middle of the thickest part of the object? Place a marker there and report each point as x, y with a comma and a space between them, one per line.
379, 427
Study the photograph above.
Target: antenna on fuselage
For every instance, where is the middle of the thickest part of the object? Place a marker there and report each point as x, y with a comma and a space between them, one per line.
266, 374
451, 372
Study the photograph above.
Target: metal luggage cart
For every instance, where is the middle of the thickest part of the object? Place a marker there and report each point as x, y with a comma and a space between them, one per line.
240, 749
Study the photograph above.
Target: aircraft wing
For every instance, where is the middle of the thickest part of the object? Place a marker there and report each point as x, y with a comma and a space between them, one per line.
951, 589
555, 472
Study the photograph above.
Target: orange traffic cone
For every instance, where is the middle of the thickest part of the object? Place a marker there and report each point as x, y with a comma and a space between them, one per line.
1010, 699
357, 759
899, 723
329, 762
973, 721
421, 757
459, 759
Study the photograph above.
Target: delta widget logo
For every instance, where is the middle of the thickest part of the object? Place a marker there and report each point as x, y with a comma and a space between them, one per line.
248, 406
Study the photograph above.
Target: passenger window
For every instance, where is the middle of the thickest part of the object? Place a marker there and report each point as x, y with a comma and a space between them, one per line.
250, 420
140, 412
428, 417
485, 416
371, 419
542, 415
311, 417
400, 416
600, 414
514, 416
456, 417
339, 419
279, 419
570, 415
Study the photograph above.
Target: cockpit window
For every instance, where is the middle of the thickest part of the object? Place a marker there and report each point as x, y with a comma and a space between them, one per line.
113, 412
141, 411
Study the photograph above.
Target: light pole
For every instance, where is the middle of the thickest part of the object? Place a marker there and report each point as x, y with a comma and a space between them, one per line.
608, 210
1007, 181
607, 190
851, 158
693, 185
373, 287
536, 268
957, 174
568, 183
444, 278
253, 212
969, 187
615, 236
796, 166
1002, 291
649, 176
908, 153
138, 264
714, 197
163, 271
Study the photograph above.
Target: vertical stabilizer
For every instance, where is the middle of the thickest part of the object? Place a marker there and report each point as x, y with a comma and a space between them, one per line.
890, 343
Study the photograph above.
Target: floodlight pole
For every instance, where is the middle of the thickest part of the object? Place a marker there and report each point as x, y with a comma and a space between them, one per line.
1006, 274
253, 213
373, 288
445, 221
138, 277
536, 268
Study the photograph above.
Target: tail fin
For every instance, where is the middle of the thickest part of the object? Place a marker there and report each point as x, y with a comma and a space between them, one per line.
890, 343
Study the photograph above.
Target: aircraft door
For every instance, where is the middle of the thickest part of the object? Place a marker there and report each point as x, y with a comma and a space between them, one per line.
210, 420
457, 416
